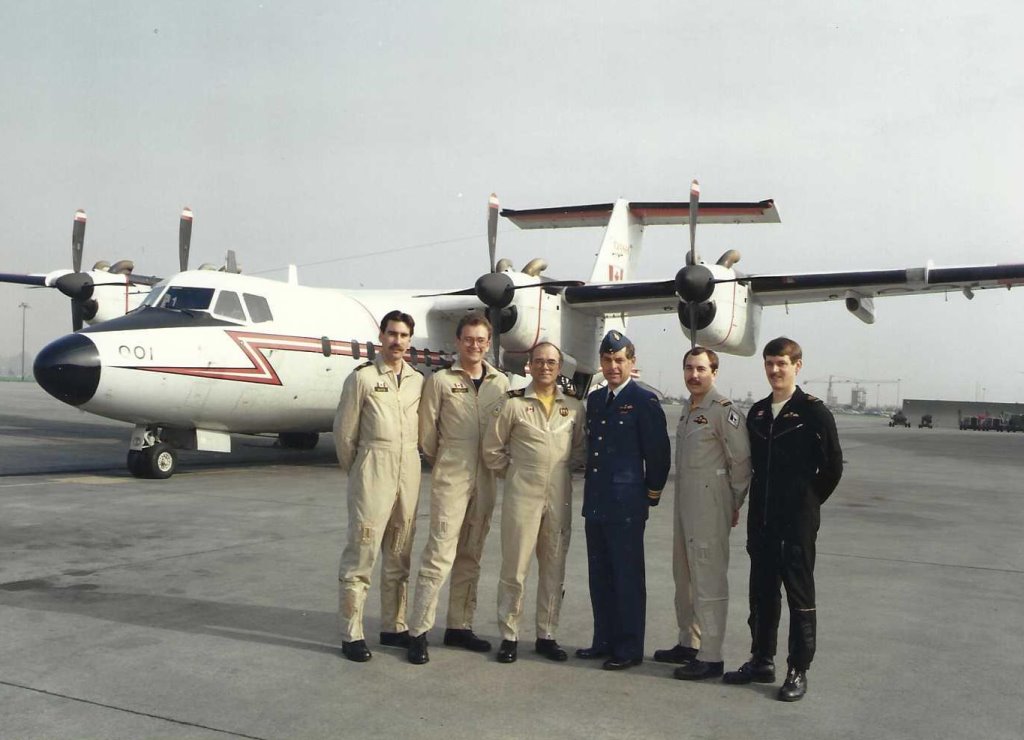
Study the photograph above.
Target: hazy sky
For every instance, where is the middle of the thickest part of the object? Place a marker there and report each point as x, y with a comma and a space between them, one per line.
321, 133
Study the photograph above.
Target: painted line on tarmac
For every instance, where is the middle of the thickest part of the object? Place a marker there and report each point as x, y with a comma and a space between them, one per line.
116, 708
922, 562
19, 485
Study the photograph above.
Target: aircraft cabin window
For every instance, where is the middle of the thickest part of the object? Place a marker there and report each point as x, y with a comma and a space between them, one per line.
259, 309
187, 299
229, 305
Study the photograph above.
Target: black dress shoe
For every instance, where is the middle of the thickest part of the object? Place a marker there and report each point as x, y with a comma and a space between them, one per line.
795, 685
550, 650
507, 652
678, 655
697, 670
592, 653
395, 639
618, 664
466, 639
757, 670
417, 650
356, 651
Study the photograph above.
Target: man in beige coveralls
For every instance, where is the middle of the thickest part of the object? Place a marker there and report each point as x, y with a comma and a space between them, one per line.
537, 437
454, 412
375, 434
712, 475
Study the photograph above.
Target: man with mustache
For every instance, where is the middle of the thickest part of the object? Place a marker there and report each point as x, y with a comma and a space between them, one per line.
375, 435
797, 464
712, 476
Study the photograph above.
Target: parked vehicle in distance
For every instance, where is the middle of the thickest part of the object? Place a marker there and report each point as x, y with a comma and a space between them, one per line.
899, 419
1016, 423
926, 422
969, 422
992, 424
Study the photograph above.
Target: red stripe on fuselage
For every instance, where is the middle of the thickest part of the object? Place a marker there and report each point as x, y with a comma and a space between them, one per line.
262, 371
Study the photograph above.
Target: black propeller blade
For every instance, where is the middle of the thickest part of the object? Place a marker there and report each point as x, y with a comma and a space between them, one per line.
79, 287
184, 238
77, 240
694, 209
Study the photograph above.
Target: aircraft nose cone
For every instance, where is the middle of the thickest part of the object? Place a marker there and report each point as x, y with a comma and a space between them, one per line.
69, 369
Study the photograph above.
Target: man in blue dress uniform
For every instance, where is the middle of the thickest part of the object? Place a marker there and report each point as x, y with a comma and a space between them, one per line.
628, 459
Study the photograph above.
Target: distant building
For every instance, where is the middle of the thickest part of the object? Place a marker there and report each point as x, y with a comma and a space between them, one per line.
947, 414
858, 398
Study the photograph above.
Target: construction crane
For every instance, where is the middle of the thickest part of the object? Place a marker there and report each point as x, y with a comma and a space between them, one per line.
858, 389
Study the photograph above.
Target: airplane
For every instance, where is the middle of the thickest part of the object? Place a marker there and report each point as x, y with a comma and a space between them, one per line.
207, 354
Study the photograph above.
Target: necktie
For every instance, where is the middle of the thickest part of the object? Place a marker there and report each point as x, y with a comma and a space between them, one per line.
608, 401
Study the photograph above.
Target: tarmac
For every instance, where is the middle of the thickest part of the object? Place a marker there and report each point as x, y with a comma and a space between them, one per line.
204, 606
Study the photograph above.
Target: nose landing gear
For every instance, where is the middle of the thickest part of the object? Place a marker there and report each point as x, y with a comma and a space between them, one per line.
149, 457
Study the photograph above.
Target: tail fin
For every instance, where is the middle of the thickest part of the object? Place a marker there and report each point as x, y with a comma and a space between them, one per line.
620, 248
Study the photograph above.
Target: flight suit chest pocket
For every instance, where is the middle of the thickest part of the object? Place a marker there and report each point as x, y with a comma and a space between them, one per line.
700, 446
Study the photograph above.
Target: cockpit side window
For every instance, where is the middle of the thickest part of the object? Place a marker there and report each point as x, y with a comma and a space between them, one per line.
228, 305
154, 295
259, 309
187, 299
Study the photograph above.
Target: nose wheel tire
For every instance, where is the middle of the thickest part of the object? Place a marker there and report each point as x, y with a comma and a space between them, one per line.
158, 461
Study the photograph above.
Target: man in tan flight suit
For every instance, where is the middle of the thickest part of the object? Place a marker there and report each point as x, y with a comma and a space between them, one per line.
712, 476
454, 413
538, 436
375, 434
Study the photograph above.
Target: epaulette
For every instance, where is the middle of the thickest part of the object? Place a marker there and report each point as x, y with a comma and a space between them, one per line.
812, 399
368, 363
416, 369
723, 401
516, 394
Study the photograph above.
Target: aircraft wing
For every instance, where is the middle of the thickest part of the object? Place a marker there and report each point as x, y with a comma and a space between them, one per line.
812, 287
645, 298
647, 214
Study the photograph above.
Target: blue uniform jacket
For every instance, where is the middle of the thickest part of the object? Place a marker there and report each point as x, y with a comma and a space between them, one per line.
628, 454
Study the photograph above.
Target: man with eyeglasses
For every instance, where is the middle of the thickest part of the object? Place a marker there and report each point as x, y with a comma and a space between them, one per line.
454, 411
628, 459
535, 440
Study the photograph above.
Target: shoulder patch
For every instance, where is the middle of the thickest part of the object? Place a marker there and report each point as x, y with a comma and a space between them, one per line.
368, 363
516, 394
734, 418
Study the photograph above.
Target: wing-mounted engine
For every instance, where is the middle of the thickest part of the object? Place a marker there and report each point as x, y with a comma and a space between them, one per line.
728, 320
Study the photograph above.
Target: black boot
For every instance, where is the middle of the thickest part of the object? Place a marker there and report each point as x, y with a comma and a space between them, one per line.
507, 653
417, 650
698, 670
550, 650
466, 639
356, 651
678, 655
795, 685
758, 670
395, 639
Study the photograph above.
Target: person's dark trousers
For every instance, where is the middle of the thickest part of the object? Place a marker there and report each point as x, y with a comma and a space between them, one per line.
774, 562
618, 587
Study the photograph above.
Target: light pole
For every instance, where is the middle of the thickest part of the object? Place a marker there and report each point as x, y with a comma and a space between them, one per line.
23, 306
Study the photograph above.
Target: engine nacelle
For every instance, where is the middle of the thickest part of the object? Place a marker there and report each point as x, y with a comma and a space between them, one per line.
735, 320
537, 319
861, 306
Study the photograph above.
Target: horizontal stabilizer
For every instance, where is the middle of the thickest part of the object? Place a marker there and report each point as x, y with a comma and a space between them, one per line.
646, 214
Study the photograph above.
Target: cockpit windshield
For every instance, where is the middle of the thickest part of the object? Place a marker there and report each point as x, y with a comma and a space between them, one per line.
183, 298
154, 295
